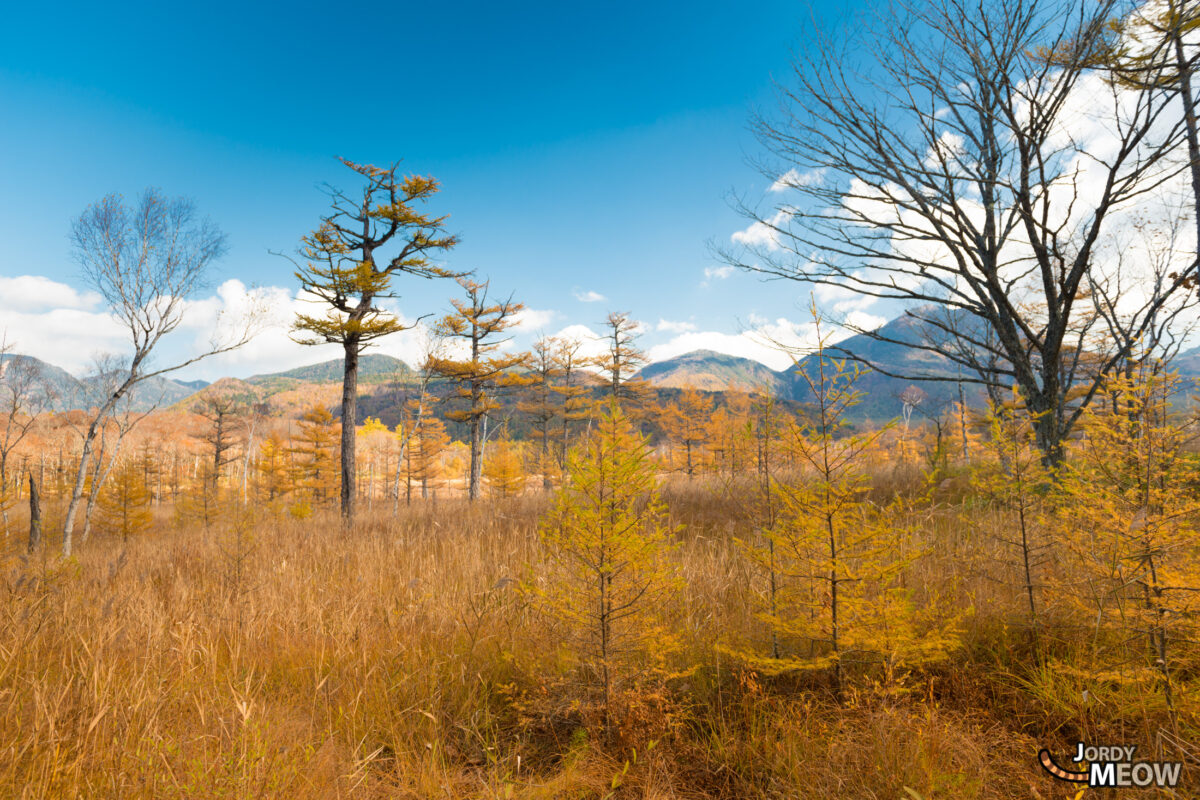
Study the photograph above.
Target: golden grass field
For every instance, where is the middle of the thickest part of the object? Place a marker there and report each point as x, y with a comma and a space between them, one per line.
273, 658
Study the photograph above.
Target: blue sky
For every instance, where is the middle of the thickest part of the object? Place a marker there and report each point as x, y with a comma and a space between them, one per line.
583, 149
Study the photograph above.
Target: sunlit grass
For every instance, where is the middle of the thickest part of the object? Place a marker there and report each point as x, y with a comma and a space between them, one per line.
400, 659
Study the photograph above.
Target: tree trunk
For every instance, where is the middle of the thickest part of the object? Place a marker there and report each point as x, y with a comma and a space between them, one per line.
1192, 126
476, 443
1047, 432
349, 419
35, 516
85, 458
246, 462
4, 491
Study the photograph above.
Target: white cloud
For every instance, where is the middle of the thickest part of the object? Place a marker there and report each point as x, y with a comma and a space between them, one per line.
775, 344
861, 320
589, 296
591, 344
69, 337
762, 234
531, 320
716, 273
674, 327
38, 293
794, 179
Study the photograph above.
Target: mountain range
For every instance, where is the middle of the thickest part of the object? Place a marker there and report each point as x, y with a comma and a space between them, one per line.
700, 369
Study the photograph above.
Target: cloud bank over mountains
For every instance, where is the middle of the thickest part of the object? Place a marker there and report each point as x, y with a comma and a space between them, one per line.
67, 327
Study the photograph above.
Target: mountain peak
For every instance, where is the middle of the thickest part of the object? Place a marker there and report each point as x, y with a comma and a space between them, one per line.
710, 371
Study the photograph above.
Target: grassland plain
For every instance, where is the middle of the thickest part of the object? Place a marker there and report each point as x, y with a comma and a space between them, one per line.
286, 658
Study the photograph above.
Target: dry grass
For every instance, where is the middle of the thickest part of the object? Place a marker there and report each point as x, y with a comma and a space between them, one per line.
298, 660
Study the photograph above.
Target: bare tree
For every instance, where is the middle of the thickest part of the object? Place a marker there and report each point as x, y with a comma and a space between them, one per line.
119, 423
24, 395
1153, 51
145, 261
257, 411
35, 515
975, 179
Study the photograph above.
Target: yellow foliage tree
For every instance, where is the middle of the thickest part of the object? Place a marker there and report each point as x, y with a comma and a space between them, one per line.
484, 370
423, 456
315, 455
835, 559
124, 501
504, 469
378, 439
200, 501
608, 576
346, 271
1129, 514
1012, 481
685, 421
274, 469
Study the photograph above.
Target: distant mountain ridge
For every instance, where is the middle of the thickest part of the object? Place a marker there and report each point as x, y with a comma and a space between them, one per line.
705, 369
711, 371
700, 369
66, 392
372, 368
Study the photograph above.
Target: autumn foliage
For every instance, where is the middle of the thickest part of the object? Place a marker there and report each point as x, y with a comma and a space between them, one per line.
734, 596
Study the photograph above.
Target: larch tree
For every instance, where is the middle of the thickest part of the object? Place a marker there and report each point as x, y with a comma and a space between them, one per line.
542, 405
572, 390
224, 415
274, 470
145, 261
423, 456
345, 269
834, 557
1151, 48
1011, 477
479, 324
622, 359
1127, 512
413, 409
685, 422
315, 454
124, 503
608, 576
504, 468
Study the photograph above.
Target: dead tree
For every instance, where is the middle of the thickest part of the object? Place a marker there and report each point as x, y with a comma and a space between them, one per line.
24, 395
145, 261
976, 169
35, 515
